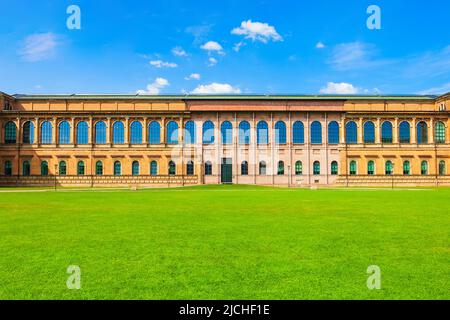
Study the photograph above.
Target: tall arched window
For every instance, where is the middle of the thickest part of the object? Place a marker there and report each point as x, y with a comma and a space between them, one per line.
44, 168
172, 168
244, 168
333, 132
62, 168
172, 133
28, 133
406, 168
136, 133
208, 168
10, 133
154, 133
262, 168
369, 132
80, 168
262, 132
405, 132
244, 133
189, 132
226, 130
351, 133
334, 168
389, 168
99, 168
64, 132
424, 168
46, 132
316, 132
190, 168
117, 168
280, 170
280, 132
154, 168
298, 133
8, 168
100, 132
208, 132
82, 132
316, 168
386, 132
422, 132
26, 168
371, 168
439, 132
298, 168
442, 169
353, 167
135, 168
118, 133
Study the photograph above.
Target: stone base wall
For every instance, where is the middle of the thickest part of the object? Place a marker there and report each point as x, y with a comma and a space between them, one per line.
393, 181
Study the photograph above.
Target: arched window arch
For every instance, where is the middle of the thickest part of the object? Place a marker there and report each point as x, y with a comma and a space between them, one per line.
244, 133
99, 168
190, 168
10, 132
369, 132
316, 132
439, 132
82, 133
28, 133
386, 132
316, 168
298, 133
262, 168
154, 168
298, 168
424, 168
280, 132
353, 167
62, 168
334, 168
333, 132
208, 132
244, 168
172, 168
117, 168
44, 168
135, 168
351, 133
442, 168
118, 133
100, 132
154, 133
405, 132
280, 170
26, 168
64, 132
389, 168
406, 168
190, 132
172, 133
46, 132
371, 168
226, 130
422, 132
8, 168
80, 168
208, 168
262, 132
136, 132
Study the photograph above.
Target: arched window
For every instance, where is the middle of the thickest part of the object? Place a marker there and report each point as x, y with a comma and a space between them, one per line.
262, 168
226, 130
46, 133
333, 132
62, 168
136, 133
99, 168
298, 168
369, 132
386, 132
389, 168
64, 132
44, 168
316, 168
406, 168
262, 132
405, 132
208, 132
118, 133
80, 168
439, 132
316, 132
244, 168
424, 168
298, 133
135, 168
422, 132
371, 168
189, 132
353, 168
280, 170
10, 133
154, 168
351, 133
442, 169
154, 133
100, 132
117, 168
190, 168
28, 133
82, 132
172, 133
280, 132
208, 168
334, 168
26, 168
244, 133
172, 168
8, 168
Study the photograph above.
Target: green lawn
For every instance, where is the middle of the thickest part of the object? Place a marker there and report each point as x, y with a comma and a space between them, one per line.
225, 242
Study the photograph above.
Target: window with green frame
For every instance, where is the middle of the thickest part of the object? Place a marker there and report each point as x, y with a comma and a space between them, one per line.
62, 168
389, 168
8, 168
135, 168
99, 168
10, 133
172, 168
117, 168
298, 168
280, 170
244, 168
334, 168
316, 168
190, 168
439, 132
80, 168
353, 167
442, 169
44, 168
406, 168
26, 168
154, 168
424, 168
208, 168
371, 168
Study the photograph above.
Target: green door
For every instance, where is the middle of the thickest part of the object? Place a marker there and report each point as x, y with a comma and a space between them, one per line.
227, 170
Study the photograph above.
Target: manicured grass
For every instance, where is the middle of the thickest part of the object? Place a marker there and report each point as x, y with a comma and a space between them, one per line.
225, 242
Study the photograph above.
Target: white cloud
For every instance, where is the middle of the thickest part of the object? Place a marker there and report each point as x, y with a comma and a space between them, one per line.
179, 52
155, 87
212, 46
355, 55
193, 76
237, 46
257, 31
339, 88
320, 45
436, 90
216, 88
212, 62
39, 47
163, 64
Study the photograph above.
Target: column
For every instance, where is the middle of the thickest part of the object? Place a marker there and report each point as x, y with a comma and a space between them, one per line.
163, 130
127, 131
378, 131
431, 131
108, 131
395, 131
73, 139
360, 130
413, 130
145, 131
37, 132
91, 131
54, 131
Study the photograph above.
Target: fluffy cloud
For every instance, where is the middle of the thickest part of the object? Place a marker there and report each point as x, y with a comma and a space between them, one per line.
155, 87
163, 64
212, 62
179, 52
212, 46
257, 31
216, 88
320, 45
193, 76
339, 88
39, 47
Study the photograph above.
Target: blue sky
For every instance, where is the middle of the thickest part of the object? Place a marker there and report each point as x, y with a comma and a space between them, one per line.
267, 46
